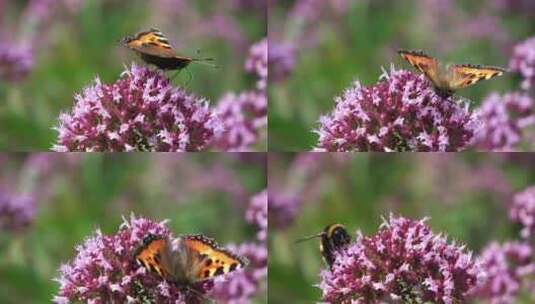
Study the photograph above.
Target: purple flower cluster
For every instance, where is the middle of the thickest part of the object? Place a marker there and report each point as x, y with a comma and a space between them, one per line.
103, 270
526, 7
281, 60
404, 262
16, 212
246, 283
522, 211
283, 208
257, 62
253, 5
244, 115
504, 119
15, 62
506, 266
402, 112
523, 62
142, 111
310, 10
257, 214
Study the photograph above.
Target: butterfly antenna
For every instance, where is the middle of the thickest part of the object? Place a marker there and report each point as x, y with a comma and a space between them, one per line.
310, 237
206, 60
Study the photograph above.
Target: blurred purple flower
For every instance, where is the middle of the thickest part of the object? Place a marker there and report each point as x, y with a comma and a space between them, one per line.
283, 208
259, 6
244, 284
257, 62
142, 111
523, 62
404, 262
486, 27
17, 212
103, 270
225, 27
402, 112
281, 58
257, 214
15, 62
311, 10
243, 116
522, 211
504, 119
43, 11
506, 266
526, 7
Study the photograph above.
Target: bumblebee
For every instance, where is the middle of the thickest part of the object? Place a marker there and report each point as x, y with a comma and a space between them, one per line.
333, 238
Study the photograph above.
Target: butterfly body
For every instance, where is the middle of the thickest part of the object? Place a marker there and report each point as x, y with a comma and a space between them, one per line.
186, 260
153, 47
165, 63
449, 78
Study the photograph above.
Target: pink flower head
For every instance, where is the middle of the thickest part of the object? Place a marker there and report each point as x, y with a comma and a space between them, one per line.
504, 119
507, 266
142, 111
17, 212
402, 112
242, 286
523, 62
257, 62
243, 116
403, 262
257, 214
282, 59
522, 211
15, 62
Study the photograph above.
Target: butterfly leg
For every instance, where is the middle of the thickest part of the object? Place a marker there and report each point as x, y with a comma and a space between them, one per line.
198, 296
190, 77
175, 75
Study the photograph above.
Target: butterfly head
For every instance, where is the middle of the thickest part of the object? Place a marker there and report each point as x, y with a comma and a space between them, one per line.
125, 40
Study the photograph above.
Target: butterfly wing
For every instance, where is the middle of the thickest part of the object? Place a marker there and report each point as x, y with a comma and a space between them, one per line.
462, 76
152, 42
205, 259
154, 255
423, 63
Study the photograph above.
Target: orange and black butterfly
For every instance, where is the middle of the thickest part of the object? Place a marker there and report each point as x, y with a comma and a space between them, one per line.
333, 238
191, 259
154, 48
449, 78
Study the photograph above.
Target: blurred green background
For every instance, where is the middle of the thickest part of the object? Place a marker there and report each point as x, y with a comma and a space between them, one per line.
72, 47
464, 195
338, 42
78, 193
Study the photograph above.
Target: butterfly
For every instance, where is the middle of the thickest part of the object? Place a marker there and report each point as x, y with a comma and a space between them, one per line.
192, 259
153, 47
448, 79
333, 238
